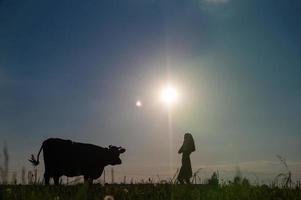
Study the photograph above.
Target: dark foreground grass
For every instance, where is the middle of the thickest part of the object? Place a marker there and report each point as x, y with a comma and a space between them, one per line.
147, 191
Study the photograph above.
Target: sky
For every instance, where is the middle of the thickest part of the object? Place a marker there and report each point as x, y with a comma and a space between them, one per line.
75, 69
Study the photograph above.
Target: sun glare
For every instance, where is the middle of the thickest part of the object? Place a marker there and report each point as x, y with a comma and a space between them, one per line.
169, 95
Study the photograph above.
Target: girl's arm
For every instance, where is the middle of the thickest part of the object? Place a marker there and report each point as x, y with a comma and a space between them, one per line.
181, 149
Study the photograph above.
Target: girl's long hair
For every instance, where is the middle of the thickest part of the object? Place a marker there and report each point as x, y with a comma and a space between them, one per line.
188, 144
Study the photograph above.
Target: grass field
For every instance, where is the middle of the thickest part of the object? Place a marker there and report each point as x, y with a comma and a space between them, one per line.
148, 191
212, 189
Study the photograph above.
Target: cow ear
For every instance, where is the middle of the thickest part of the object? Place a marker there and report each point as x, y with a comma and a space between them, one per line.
122, 150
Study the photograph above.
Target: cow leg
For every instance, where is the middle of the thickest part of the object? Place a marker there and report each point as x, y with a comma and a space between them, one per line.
88, 180
46, 178
56, 180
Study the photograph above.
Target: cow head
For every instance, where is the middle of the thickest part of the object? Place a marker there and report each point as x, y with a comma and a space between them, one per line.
115, 152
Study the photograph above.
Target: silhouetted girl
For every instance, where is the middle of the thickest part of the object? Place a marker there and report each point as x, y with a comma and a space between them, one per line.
188, 146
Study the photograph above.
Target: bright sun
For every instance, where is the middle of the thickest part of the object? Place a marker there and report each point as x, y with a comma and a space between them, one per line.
169, 95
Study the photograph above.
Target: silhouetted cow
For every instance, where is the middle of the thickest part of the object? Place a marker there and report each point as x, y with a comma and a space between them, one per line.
64, 157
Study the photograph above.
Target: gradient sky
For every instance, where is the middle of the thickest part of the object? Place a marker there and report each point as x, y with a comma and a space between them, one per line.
74, 69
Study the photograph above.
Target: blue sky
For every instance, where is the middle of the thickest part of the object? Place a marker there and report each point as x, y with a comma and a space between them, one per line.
75, 70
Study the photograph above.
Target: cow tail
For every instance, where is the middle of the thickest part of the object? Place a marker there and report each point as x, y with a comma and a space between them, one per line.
33, 160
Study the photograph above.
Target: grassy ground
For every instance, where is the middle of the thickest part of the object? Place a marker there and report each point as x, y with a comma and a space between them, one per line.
148, 191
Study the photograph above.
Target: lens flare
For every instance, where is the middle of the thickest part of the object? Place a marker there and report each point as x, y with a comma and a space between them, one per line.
138, 103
